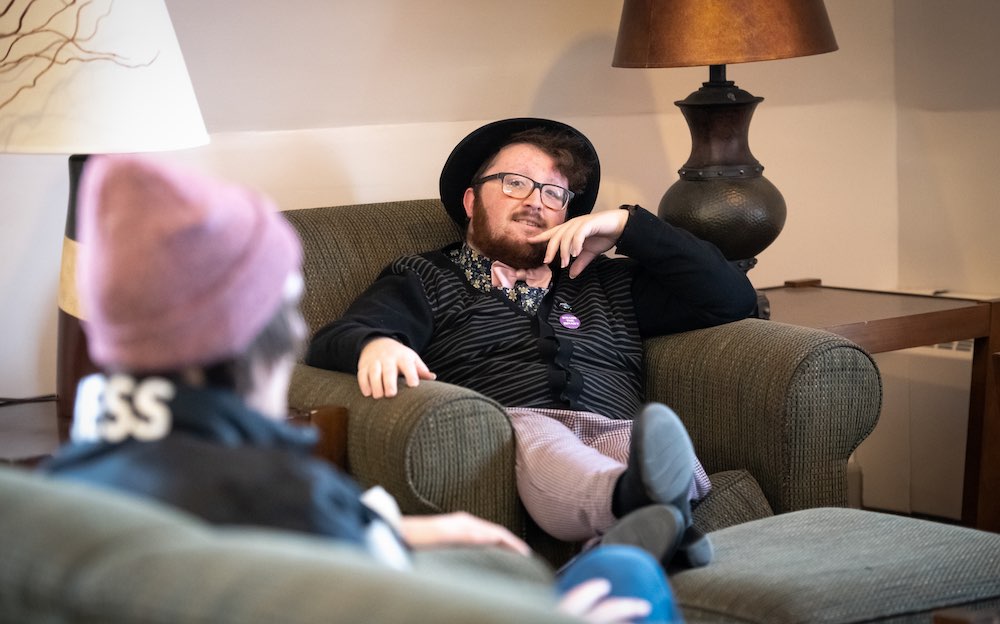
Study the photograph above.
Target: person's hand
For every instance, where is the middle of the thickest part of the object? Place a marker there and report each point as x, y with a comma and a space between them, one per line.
590, 602
458, 529
583, 238
381, 363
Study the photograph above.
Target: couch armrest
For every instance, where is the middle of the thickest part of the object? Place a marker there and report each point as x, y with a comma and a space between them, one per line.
436, 448
789, 404
73, 552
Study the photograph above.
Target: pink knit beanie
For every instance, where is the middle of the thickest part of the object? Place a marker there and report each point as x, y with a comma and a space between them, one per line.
175, 269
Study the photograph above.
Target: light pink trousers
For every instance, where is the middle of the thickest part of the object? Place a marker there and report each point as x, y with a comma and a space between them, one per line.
567, 466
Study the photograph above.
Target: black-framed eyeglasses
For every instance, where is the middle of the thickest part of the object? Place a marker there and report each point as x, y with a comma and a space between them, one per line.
554, 197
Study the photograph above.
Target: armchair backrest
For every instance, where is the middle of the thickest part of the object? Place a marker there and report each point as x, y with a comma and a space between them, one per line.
346, 247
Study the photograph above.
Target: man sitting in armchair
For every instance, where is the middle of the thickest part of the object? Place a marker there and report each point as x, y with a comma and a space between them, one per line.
529, 312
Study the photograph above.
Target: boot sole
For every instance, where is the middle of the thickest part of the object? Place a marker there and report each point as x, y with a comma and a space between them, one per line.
667, 455
657, 529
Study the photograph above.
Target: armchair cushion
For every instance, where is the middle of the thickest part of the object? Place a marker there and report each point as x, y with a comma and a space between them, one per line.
735, 498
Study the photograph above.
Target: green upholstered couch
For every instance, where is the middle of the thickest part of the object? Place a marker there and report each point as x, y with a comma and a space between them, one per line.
74, 553
774, 410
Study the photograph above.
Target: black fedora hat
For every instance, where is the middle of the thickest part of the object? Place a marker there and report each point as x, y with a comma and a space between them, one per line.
483, 143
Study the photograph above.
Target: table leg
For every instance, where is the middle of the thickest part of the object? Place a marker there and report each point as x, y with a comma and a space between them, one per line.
981, 505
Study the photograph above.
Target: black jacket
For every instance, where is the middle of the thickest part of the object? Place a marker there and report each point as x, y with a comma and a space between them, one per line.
227, 464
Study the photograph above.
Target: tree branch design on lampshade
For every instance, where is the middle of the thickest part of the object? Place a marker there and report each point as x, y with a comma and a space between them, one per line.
80, 77
121, 87
31, 52
722, 195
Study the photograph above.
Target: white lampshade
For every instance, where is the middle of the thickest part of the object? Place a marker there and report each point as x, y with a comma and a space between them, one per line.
139, 102
82, 78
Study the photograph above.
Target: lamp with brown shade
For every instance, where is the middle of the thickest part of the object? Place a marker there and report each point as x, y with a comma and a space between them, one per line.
722, 195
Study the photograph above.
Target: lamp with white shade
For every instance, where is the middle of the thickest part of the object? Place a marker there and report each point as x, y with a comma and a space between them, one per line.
90, 77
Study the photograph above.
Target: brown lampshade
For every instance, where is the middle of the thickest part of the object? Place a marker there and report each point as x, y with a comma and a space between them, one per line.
683, 33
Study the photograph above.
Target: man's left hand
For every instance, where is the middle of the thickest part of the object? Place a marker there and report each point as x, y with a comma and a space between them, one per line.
583, 238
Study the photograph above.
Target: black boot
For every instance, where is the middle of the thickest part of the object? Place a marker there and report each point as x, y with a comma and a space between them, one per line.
660, 464
694, 550
657, 529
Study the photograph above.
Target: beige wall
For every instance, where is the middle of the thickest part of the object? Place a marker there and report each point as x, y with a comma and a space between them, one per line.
325, 102
948, 106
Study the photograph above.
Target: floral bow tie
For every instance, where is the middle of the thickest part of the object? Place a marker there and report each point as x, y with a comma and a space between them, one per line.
505, 275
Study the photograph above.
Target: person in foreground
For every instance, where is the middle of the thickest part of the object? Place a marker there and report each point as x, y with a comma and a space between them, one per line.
191, 288
530, 312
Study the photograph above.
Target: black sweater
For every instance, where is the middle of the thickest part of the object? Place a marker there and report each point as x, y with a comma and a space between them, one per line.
669, 282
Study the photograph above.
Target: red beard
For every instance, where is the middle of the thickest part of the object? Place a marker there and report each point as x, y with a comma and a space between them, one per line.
487, 242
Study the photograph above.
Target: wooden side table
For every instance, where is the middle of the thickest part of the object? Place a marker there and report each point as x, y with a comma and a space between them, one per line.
884, 321
331, 422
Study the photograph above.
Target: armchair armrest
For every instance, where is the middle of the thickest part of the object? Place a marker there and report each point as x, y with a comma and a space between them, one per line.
788, 404
436, 448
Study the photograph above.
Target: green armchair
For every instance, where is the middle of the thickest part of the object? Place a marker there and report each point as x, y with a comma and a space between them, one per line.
774, 410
